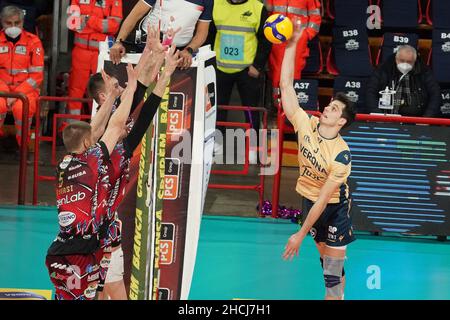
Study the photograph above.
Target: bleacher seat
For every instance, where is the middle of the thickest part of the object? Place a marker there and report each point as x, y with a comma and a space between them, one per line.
348, 12
392, 40
438, 13
349, 54
314, 63
307, 93
401, 13
445, 103
440, 55
354, 88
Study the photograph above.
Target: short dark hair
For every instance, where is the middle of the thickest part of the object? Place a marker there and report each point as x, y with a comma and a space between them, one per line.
74, 134
95, 85
349, 112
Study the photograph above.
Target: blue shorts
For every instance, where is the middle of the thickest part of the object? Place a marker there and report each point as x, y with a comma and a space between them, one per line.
334, 227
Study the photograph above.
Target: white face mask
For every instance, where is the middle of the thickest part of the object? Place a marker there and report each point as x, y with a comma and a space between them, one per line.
13, 32
404, 67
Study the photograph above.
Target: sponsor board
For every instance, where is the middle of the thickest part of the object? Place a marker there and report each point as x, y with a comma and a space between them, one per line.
24, 294
182, 210
165, 246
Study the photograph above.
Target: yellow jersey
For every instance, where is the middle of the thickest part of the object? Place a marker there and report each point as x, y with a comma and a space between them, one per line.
320, 159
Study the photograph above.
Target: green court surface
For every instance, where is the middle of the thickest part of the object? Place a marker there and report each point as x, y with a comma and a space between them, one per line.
240, 258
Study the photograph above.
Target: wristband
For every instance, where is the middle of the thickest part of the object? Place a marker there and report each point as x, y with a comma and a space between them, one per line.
190, 50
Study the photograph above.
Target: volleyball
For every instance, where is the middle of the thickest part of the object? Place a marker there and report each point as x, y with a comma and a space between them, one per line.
278, 28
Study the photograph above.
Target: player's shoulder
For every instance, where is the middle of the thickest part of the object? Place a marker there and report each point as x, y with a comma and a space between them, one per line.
94, 150
118, 150
64, 163
301, 114
343, 154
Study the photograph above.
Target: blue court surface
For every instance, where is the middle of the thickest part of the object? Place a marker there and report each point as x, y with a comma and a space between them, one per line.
240, 258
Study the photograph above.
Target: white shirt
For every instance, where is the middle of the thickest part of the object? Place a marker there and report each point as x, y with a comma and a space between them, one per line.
185, 12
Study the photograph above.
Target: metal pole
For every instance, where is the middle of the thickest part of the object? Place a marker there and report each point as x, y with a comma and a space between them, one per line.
55, 48
24, 142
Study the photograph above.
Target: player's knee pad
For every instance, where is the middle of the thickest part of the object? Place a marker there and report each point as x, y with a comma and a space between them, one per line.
116, 270
332, 272
343, 269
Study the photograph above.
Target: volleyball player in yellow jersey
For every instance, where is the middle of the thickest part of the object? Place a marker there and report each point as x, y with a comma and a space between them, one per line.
325, 164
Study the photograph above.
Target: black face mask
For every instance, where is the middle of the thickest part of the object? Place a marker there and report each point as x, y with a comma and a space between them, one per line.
237, 1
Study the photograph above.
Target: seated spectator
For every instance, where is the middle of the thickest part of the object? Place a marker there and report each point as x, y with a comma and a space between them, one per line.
417, 92
32, 10
21, 66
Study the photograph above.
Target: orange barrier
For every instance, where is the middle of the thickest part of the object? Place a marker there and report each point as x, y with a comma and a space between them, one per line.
258, 187
24, 144
52, 138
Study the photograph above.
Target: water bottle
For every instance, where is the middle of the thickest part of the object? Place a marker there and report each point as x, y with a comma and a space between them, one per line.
386, 101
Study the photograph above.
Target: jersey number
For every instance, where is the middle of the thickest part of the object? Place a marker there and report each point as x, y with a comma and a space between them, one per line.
230, 51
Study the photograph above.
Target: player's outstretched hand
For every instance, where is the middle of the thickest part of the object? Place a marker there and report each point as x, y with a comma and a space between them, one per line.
299, 28
132, 78
172, 60
292, 247
111, 85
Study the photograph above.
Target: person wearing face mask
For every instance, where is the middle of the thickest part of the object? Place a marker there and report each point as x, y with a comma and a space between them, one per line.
21, 66
33, 10
417, 92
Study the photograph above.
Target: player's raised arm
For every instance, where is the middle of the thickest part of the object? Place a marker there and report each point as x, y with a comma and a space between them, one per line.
100, 120
288, 95
172, 59
117, 123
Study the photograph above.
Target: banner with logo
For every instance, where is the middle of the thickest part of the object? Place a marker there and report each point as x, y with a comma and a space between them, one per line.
191, 119
25, 294
169, 184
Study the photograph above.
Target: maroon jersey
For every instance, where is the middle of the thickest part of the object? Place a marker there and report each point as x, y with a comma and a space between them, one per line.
118, 178
119, 175
75, 277
81, 198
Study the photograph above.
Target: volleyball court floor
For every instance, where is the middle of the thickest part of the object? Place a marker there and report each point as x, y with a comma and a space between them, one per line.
240, 258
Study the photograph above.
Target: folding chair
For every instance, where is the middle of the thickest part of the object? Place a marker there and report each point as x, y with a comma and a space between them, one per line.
354, 88
349, 54
439, 58
314, 63
445, 103
391, 41
348, 12
401, 13
438, 13
307, 93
